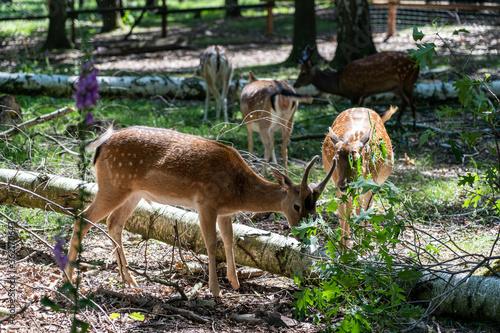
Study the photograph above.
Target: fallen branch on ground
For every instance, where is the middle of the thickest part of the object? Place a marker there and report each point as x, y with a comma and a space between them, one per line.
38, 120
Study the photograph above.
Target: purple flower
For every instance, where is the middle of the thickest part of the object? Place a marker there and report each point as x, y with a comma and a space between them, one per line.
59, 256
89, 119
87, 87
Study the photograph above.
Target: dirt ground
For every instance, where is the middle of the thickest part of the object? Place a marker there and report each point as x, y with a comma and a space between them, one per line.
263, 303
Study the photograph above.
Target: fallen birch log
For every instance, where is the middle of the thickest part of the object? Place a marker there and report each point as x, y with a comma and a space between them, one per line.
475, 297
252, 247
185, 88
461, 295
63, 86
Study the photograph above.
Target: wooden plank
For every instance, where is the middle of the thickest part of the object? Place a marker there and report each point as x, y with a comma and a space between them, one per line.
270, 20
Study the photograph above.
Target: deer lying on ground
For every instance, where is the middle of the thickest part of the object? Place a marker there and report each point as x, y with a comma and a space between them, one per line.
356, 134
378, 73
216, 70
173, 168
268, 106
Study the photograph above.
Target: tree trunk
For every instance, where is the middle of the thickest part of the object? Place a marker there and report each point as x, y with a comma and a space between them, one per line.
56, 37
354, 34
185, 88
469, 297
110, 20
234, 12
304, 31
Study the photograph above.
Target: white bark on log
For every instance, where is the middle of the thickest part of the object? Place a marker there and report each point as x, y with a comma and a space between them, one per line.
252, 247
462, 295
184, 88
110, 86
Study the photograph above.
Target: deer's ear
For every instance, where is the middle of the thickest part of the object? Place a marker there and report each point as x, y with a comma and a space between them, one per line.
333, 137
366, 137
283, 180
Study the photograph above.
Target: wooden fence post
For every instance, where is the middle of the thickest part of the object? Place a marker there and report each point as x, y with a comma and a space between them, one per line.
270, 19
391, 17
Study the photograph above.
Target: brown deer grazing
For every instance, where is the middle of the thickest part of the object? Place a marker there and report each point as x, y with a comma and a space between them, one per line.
375, 74
173, 168
10, 111
268, 106
216, 70
355, 134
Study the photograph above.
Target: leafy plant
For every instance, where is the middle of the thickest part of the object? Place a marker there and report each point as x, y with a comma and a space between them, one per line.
363, 284
360, 283
476, 125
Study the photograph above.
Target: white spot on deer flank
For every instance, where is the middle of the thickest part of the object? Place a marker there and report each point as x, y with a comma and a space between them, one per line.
119, 164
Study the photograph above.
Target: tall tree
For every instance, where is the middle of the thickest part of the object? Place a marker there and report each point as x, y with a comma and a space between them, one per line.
354, 34
110, 20
56, 37
233, 12
304, 29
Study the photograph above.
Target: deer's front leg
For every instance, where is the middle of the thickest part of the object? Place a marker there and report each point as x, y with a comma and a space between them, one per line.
287, 131
267, 138
226, 231
207, 224
345, 210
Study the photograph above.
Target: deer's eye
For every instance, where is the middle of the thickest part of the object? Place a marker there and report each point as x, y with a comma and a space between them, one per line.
296, 207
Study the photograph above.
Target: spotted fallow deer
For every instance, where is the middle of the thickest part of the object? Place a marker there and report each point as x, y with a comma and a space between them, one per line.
216, 70
173, 168
357, 134
268, 106
378, 73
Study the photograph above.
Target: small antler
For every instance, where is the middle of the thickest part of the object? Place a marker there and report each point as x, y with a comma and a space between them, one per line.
307, 54
318, 189
304, 187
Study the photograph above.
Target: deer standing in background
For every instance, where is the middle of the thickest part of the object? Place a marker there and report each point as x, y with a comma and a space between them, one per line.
173, 168
216, 70
10, 111
378, 73
268, 106
357, 134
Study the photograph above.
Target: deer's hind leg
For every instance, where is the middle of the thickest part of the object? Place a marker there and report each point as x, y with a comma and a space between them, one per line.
104, 203
116, 222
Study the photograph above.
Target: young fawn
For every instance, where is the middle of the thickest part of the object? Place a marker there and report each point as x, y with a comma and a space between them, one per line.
173, 168
216, 70
268, 106
349, 139
375, 74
